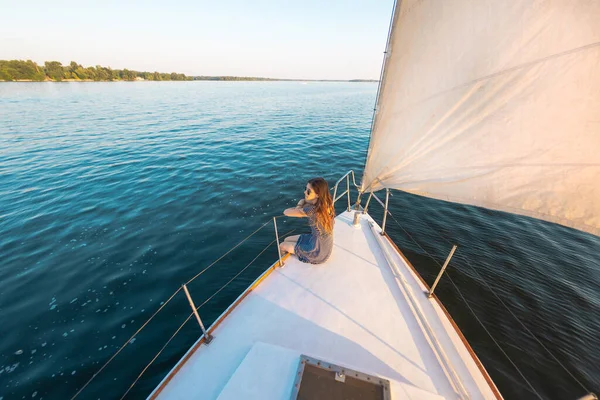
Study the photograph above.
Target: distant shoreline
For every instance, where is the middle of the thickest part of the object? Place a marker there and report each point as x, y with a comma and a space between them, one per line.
200, 79
54, 71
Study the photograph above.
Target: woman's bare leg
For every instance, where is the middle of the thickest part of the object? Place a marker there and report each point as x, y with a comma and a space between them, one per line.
287, 247
289, 243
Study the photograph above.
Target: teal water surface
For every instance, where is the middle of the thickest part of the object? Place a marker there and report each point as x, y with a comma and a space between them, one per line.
114, 194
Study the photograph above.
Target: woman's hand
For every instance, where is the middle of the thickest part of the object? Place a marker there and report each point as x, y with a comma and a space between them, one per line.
301, 203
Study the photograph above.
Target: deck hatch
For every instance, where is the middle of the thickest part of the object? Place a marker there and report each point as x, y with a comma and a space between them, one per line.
319, 380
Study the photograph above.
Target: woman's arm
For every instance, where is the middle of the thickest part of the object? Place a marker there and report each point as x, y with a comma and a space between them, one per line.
294, 212
297, 211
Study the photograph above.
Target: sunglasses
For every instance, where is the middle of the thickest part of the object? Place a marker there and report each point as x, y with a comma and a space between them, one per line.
307, 191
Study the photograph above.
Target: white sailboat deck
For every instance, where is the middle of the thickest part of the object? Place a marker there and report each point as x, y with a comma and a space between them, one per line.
353, 311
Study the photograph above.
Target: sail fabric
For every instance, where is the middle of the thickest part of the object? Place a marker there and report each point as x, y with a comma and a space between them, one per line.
495, 104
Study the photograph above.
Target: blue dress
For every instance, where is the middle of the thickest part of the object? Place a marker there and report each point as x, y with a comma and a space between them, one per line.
314, 247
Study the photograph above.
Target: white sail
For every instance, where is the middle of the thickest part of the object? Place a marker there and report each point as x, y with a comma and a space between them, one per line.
493, 103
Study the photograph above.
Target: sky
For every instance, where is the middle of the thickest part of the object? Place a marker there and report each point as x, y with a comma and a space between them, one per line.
306, 39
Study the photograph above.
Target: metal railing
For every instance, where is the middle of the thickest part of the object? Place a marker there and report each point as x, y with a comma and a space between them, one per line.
347, 191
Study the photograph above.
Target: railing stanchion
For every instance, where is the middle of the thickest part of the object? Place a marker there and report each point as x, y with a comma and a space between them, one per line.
277, 241
385, 211
348, 189
207, 336
334, 193
441, 271
358, 198
368, 201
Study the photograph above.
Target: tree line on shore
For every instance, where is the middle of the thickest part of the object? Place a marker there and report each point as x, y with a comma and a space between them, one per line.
19, 70
54, 71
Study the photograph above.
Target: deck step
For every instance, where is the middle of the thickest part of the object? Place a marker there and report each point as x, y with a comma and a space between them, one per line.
272, 366
268, 373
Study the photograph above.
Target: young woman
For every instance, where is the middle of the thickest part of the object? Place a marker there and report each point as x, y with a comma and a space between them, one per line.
317, 206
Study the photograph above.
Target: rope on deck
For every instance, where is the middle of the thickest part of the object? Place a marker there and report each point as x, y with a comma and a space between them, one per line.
448, 368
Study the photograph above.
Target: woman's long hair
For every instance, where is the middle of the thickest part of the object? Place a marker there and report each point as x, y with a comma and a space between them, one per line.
324, 206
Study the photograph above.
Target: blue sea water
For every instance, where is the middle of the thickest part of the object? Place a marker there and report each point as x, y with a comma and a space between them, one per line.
114, 194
